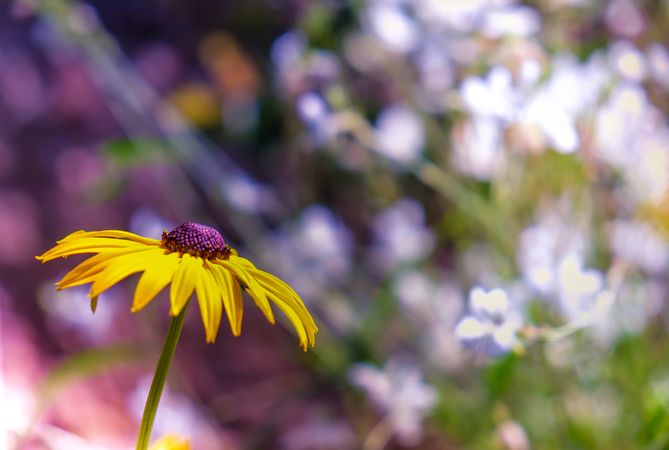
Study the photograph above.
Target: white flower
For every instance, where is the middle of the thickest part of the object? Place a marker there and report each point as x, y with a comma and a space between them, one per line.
572, 90
491, 325
492, 97
399, 134
577, 287
399, 392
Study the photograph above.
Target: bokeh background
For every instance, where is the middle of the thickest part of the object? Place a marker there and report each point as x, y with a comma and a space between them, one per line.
469, 196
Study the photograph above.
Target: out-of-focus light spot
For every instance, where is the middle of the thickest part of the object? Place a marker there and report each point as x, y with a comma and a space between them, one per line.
245, 194
16, 412
399, 134
400, 235
627, 60
624, 18
478, 148
512, 20
288, 49
311, 108
393, 27
18, 228
146, 222
493, 96
658, 63
198, 102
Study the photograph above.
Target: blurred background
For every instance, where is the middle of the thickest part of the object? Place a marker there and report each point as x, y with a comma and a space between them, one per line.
468, 195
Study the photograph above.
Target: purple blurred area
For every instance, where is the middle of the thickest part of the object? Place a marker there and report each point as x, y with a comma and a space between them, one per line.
56, 116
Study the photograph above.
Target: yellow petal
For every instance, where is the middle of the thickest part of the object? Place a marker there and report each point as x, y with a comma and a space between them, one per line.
86, 271
122, 267
183, 282
88, 245
154, 279
295, 319
209, 299
279, 288
231, 295
251, 286
116, 234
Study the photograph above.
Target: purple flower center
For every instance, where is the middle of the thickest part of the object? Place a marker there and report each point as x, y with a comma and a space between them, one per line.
197, 240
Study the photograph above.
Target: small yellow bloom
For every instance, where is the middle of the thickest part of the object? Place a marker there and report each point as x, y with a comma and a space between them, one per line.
194, 258
170, 442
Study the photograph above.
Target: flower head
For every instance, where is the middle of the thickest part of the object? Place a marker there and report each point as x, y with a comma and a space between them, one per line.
194, 258
491, 324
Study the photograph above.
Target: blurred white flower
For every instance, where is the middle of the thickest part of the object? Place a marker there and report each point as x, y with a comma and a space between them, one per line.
454, 15
514, 20
492, 97
541, 248
391, 25
314, 111
399, 134
491, 324
400, 235
320, 246
658, 64
247, 195
71, 309
619, 123
577, 287
287, 49
311, 107
640, 244
436, 73
400, 394
632, 135
627, 60
434, 308
572, 90
637, 302
478, 148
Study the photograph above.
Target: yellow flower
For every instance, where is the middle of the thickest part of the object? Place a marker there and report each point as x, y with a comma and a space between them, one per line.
194, 258
170, 442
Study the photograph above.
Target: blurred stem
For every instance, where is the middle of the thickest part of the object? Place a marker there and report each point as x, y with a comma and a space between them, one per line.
379, 436
158, 383
482, 211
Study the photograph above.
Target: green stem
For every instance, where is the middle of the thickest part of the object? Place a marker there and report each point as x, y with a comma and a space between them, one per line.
158, 383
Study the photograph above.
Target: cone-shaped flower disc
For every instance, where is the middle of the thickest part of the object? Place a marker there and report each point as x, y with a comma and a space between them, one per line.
194, 258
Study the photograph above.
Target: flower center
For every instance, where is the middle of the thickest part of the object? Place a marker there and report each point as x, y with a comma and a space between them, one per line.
197, 240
